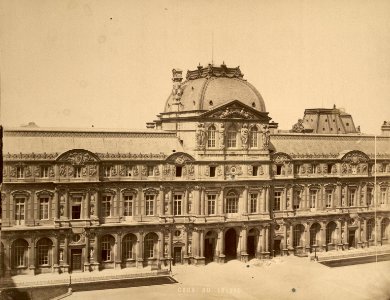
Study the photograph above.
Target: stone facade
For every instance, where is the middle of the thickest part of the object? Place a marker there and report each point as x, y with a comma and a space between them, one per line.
197, 186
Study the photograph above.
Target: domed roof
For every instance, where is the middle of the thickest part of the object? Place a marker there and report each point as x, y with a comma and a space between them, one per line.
209, 87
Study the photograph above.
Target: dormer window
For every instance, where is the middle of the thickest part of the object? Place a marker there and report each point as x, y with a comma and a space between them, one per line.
232, 138
179, 170
44, 171
77, 172
20, 172
278, 170
211, 137
253, 137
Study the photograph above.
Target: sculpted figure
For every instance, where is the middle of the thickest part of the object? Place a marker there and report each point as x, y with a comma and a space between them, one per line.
244, 136
200, 136
266, 136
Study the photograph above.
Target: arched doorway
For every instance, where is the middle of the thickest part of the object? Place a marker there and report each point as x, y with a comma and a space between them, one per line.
315, 230
352, 238
277, 246
231, 244
210, 243
253, 235
331, 235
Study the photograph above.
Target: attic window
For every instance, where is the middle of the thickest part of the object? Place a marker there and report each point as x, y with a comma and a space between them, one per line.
326, 120
323, 129
334, 120
193, 102
211, 102
331, 129
347, 124
253, 104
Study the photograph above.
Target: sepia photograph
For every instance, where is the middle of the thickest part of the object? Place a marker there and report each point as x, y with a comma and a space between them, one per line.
195, 150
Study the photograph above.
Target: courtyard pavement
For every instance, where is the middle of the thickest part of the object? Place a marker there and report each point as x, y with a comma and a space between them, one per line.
287, 277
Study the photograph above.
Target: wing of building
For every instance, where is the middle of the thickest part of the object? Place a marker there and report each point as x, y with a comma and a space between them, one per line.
211, 179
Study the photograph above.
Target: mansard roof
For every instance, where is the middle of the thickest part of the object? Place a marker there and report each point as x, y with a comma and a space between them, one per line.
55, 141
329, 146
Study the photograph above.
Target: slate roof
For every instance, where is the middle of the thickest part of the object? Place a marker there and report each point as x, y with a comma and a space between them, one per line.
300, 145
54, 140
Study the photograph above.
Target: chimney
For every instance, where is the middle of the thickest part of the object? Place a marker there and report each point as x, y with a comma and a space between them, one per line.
386, 128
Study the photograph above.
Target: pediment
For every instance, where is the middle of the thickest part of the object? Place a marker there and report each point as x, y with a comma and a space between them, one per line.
236, 110
78, 157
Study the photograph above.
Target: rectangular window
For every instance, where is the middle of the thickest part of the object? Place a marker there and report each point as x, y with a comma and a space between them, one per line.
383, 196
211, 199
106, 206
179, 170
128, 205
278, 170
255, 170
149, 200
277, 198
106, 250
253, 203
44, 171
212, 171
150, 171
43, 255
330, 168
107, 171
20, 255
44, 209
313, 198
231, 139
177, 205
77, 172
76, 208
19, 172
19, 209
352, 196
329, 197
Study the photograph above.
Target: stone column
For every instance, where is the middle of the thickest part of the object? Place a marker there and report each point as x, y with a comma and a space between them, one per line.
307, 205
170, 204
359, 232
365, 195
140, 241
201, 243
95, 253
307, 237
195, 243
8, 257
32, 257
358, 197
196, 200
97, 204
55, 255
138, 202
185, 252
339, 195
118, 251
339, 240
221, 245
322, 198
365, 240
245, 200
284, 200
56, 201
220, 202
87, 257
267, 239
291, 237
284, 238
378, 232
263, 205
169, 243
258, 205
185, 203
263, 238
120, 203
87, 205
65, 260
161, 245
345, 241
267, 200
323, 235
161, 197
202, 202
243, 242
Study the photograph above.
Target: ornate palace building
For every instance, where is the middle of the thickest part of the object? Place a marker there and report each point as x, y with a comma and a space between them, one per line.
211, 179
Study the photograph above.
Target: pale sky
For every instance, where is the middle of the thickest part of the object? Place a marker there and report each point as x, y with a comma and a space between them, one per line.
108, 63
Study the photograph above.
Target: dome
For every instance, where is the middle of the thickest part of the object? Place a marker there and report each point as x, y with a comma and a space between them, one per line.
209, 87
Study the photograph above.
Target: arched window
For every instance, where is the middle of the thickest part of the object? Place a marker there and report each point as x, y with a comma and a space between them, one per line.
44, 251
370, 229
128, 246
231, 138
19, 253
253, 137
150, 243
331, 233
211, 137
231, 203
298, 232
314, 234
107, 247
385, 229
